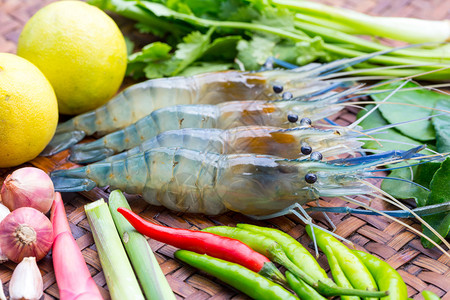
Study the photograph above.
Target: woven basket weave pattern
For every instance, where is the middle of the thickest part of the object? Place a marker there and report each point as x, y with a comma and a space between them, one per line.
420, 268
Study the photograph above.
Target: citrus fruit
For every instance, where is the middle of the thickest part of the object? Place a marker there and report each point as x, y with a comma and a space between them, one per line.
28, 111
79, 49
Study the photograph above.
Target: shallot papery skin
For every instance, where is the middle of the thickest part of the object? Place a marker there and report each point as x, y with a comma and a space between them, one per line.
28, 187
25, 232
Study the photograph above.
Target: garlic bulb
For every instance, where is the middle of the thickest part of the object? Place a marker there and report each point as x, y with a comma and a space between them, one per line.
26, 281
4, 211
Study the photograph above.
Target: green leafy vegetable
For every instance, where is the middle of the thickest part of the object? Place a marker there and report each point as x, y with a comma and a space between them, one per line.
423, 101
440, 193
421, 174
396, 138
295, 38
442, 126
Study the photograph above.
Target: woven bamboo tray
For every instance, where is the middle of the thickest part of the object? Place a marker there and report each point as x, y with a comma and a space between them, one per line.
420, 268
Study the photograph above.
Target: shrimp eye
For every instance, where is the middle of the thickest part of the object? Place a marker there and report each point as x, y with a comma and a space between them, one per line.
310, 178
292, 118
305, 121
306, 149
316, 156
277, 88
287, 95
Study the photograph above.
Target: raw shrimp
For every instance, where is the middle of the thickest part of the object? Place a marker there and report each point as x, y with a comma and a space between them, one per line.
298, 142
286, 113
209, 183
141, 99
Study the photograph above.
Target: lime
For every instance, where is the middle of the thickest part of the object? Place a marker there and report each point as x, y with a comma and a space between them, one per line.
28, 111
79, 49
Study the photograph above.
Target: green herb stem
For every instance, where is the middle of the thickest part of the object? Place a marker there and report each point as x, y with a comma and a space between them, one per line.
161, 10
335, 35
405, 29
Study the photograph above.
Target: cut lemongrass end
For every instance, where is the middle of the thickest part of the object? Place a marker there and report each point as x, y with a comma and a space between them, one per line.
147, 269
122, 282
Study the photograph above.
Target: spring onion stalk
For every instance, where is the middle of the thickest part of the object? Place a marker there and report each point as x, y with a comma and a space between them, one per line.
410, 30
146, 266
122, 282
72, 274
337, 36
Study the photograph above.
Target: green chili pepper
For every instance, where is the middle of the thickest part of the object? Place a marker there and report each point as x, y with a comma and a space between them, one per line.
248, 282
428, 295
338, 274
268, 247
387, 278
293, 250
355, 271
302, 289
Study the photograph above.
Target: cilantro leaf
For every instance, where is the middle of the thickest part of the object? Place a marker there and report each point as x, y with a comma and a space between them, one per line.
255, 52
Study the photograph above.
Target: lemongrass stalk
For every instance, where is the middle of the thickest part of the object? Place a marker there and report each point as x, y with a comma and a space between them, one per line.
403, 29
72, 275
147, 269
122, 282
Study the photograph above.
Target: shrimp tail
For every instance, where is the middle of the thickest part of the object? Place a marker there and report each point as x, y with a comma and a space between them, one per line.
91, 155
62, 141
73, 180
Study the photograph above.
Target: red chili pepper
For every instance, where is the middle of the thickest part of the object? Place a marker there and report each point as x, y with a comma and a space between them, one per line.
205, 243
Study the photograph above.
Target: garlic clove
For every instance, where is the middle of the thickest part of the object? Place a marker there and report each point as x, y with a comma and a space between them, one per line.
26, 281
2, 294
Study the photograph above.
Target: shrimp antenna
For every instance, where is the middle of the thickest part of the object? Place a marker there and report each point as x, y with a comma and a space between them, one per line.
375, 129
445, 67
348, 62
396, 103
357, 71
397, 220
399, 179
397, 203
376, 106
428, 157
392, 141
357, 131
421, 87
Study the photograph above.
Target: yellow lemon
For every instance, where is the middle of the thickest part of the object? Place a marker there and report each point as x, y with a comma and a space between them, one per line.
79, 49
28, 111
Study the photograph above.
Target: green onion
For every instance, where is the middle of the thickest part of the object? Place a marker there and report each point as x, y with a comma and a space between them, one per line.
403, 29
122, 282
146, 266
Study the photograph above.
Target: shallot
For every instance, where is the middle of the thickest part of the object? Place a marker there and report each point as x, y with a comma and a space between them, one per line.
25, 232
28, 187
